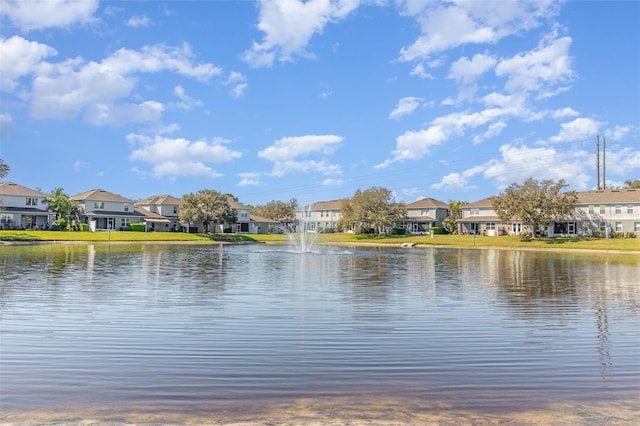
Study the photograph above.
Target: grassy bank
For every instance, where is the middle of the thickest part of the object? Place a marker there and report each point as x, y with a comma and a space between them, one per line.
464, 241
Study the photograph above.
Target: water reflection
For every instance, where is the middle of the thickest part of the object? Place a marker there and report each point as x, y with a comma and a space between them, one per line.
179, 326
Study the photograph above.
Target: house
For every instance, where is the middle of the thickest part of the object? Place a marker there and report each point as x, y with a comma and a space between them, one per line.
424, 214
161, 212
602, 211
479, 217
103, 210
322, 216
23, 208
243, 218
263, 225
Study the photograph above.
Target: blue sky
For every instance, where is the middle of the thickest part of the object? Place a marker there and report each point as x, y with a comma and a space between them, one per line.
313, 100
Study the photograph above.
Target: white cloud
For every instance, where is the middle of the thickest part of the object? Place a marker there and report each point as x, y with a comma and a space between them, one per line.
625, 161
332, 182
578, 129
289, 25
250, 179
452, 24
467, 71
6, 122
96, 89
540, 69
289, 154
565, 112
79, 164
40, 14
20, 58
419, 71
619, 132
138, 21
238, 83
405, 106
186, 102
179, 156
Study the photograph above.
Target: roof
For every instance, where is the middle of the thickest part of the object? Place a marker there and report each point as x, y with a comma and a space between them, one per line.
427, 203
325, 205
29, 210
262, 219
476, 218
159, 200
151, 216
11, 188
103, 213
100, 195
626, 195
485, 202
236, 205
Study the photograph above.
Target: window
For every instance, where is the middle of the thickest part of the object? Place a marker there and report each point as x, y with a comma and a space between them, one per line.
618, 209
592, 209
98, 205
32, 201
126, 207
618, 226
603, 226
424, 212
125, 221
175, 209
475, 211
636, 227
602, 210
629, 208
491, 225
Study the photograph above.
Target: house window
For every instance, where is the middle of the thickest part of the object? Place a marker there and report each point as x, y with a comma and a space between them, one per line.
424, 212
491, 225
475, 212
592, 209
602, 210
126, 207
636, 226
125, 221
618, 226
98, 205
603, 226
32, 201
618, 209
629, 208
175, 209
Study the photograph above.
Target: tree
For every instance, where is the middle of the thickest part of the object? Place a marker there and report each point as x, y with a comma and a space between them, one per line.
4, 169
635, 183
535, 203
455, 212
207, 206
277, 210
64, 207
373, 209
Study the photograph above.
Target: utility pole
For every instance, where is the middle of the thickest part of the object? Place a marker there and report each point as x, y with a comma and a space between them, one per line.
604, 163
598, 162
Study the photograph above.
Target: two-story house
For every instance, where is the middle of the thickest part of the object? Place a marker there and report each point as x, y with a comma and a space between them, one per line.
103, 210
322, 216
479, 218
24, 208
424, 214
603, 211
243, 218
161, 212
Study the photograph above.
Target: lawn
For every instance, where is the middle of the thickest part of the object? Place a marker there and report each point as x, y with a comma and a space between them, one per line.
464, 241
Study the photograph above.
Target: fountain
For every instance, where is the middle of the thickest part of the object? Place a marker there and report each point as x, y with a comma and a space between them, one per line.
301, 238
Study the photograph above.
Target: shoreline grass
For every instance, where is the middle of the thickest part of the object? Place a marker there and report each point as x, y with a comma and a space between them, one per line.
453, 241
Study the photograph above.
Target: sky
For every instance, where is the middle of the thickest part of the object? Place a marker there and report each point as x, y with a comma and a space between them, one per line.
282, 99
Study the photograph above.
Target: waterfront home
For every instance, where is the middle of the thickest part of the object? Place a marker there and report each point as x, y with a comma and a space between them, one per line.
161, 212
479, 218
23, 208
263, 225
322, 216
103, 210
425, 214
602, 211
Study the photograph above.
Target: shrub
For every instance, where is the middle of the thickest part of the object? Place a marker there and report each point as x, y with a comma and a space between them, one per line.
630, 235
138, 227
437, 230
398, 231
84, 227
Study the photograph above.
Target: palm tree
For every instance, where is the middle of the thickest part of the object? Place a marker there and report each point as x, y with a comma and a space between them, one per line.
62, 206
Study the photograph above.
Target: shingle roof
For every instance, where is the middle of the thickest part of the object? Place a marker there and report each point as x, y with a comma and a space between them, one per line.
100, 195
427, 203
158, 200
11, 188
326, 205
256, 218
626, 195
485, 202
236, 205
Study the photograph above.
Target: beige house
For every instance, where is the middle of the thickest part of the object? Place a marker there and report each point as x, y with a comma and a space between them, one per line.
23, 208
322, 216
616, 210
424, 214
160, 212
103, 210
479, 218
263, 225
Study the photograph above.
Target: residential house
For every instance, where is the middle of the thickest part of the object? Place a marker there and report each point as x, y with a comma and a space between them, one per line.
103, 210
161, 212
263, 225
243, 218
424, 214
23, 208
322, 216
602, 211
479, 218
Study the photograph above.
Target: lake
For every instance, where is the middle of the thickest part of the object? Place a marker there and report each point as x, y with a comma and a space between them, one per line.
240, 333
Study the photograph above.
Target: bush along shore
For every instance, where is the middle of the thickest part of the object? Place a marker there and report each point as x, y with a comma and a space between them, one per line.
408, 241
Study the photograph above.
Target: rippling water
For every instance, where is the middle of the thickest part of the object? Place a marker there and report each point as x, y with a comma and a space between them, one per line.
193, 327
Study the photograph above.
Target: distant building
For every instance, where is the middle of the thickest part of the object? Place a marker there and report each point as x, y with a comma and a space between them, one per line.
424, 214
322, 216
23, 208
161, 212
103, 210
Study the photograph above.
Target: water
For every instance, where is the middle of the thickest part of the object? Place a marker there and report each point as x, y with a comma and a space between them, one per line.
243, 329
